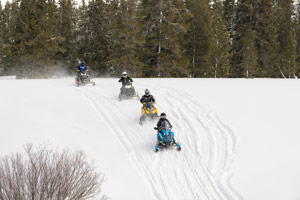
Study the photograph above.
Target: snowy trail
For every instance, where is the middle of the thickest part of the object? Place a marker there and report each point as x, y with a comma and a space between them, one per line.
199, 171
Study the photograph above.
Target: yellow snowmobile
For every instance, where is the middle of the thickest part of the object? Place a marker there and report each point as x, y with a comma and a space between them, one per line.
148, 111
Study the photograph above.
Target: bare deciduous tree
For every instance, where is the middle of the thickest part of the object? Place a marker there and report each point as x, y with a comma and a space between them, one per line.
42, 174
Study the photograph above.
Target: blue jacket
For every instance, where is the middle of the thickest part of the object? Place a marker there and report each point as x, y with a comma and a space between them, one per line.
82, 67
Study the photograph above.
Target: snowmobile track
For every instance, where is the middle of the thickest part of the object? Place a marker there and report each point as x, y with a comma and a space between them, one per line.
199, 171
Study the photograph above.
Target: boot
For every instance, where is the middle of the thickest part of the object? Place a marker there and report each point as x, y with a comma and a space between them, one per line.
174, 141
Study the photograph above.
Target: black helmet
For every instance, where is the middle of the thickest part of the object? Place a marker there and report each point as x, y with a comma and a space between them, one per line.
163, 115
147, 92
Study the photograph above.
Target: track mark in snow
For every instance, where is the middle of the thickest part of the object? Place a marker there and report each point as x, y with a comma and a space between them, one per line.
199, 171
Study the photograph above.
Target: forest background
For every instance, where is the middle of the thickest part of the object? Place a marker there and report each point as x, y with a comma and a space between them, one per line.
151, 38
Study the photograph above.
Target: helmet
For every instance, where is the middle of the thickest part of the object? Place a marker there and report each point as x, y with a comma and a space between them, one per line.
163, 115
147, 92
82, 63
124, 74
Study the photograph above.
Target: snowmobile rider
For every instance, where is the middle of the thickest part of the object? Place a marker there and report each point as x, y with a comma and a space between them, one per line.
147, 97
148, 108
126, 80
163, 118
82, 67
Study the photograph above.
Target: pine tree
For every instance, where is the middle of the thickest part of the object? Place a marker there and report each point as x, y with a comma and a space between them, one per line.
297, 38
287, 46
246, 16
229, 10
201, 39
81, 33
267, 45
249, 54
127, 38
11, 27
164, 31
259, 16
221, 48
33, 35
2, 27
92, 36
66, 34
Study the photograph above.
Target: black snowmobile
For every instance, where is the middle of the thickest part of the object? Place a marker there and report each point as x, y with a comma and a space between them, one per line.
128, 91
83, 79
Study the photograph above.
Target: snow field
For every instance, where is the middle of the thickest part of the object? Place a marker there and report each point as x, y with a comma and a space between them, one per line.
199, 171
248, 151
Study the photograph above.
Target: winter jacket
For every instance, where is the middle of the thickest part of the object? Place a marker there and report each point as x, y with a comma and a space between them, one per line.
82, 67
126, 80
160, 122
147, 98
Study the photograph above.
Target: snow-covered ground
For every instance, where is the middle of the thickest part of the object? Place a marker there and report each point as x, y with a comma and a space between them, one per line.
239, 137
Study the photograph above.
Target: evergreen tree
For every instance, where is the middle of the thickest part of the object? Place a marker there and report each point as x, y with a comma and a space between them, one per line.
267, 45
249, 54
229, 10
164, 31
287, 46
34, 38
127, 38
10, 28
221, 48
297, 38
259, 16
246, 16
81, 33
2, 27
93, 41
66, 35
201, 39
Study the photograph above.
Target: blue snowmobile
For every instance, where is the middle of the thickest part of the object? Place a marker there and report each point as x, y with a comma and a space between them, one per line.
165, 137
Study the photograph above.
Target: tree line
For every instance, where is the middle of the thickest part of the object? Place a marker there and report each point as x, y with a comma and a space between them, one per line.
151, 38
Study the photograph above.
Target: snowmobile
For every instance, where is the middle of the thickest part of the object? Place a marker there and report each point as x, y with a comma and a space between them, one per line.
165, 138
83, 79
148, 111
127, 91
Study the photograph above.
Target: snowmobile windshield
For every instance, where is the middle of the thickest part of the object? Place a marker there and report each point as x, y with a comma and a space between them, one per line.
165, 125
127, 86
